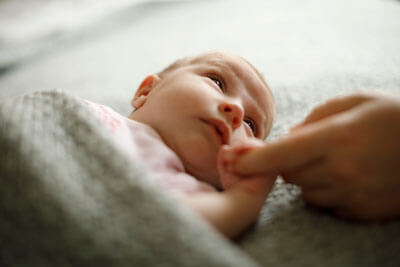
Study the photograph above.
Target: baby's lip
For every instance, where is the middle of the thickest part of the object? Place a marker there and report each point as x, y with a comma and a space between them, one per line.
221, 128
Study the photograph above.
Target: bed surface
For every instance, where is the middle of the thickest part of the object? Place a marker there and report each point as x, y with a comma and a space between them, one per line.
308, 51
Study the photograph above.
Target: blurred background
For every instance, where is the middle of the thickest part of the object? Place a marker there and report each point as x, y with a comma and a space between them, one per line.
101, 50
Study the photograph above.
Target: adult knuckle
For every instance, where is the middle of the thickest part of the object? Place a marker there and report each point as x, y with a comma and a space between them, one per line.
344, 157
321, 109
318, 111
347, 171
359, 203
363, 95
344, 135
312, 198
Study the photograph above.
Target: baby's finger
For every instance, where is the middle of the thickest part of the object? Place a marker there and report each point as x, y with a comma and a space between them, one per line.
227, 178
255, 187
259, 185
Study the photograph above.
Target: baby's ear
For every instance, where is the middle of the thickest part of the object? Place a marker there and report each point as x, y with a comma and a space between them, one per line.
144, 89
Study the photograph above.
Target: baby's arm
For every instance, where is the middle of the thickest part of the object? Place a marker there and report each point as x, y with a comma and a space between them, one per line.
233, 210
236, 208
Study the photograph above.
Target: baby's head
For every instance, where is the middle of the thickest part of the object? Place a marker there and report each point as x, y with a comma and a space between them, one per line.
200, 103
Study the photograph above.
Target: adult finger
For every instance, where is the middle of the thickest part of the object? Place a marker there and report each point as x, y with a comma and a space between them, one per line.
314, 176
322, 198
303, 147
334, 106
382, 208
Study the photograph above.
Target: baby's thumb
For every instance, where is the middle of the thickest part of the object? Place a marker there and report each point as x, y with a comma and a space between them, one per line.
260, 185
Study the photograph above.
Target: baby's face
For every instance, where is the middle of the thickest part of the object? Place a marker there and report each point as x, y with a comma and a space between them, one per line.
217, 99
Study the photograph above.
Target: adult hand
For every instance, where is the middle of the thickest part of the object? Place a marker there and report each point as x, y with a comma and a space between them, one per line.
345, 156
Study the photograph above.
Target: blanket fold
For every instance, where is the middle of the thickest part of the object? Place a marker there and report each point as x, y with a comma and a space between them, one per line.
70, 197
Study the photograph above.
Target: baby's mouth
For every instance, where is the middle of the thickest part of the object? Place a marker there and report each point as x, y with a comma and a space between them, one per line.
220, 128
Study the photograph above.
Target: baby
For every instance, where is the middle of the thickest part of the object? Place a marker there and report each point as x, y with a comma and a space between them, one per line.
186, 120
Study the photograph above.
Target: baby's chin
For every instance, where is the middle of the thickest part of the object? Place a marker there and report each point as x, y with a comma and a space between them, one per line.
205, 173
200, 162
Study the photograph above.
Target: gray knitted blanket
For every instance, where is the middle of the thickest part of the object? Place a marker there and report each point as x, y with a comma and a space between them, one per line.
69, 197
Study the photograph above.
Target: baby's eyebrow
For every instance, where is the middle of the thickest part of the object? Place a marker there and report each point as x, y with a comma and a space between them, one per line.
219, 64
225, 67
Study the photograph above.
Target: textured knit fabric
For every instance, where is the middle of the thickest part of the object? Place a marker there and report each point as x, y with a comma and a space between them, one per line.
65, 202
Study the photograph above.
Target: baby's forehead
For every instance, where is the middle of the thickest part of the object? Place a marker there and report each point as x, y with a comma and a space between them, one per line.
233, 62
220, 59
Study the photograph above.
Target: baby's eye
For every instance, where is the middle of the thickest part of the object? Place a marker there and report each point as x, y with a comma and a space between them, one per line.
252, 125
218, 81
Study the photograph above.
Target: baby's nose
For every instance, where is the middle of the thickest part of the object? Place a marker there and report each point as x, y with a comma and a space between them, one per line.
233, 113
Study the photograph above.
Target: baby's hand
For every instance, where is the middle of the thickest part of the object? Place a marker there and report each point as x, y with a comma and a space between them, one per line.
229, 179
239, 205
